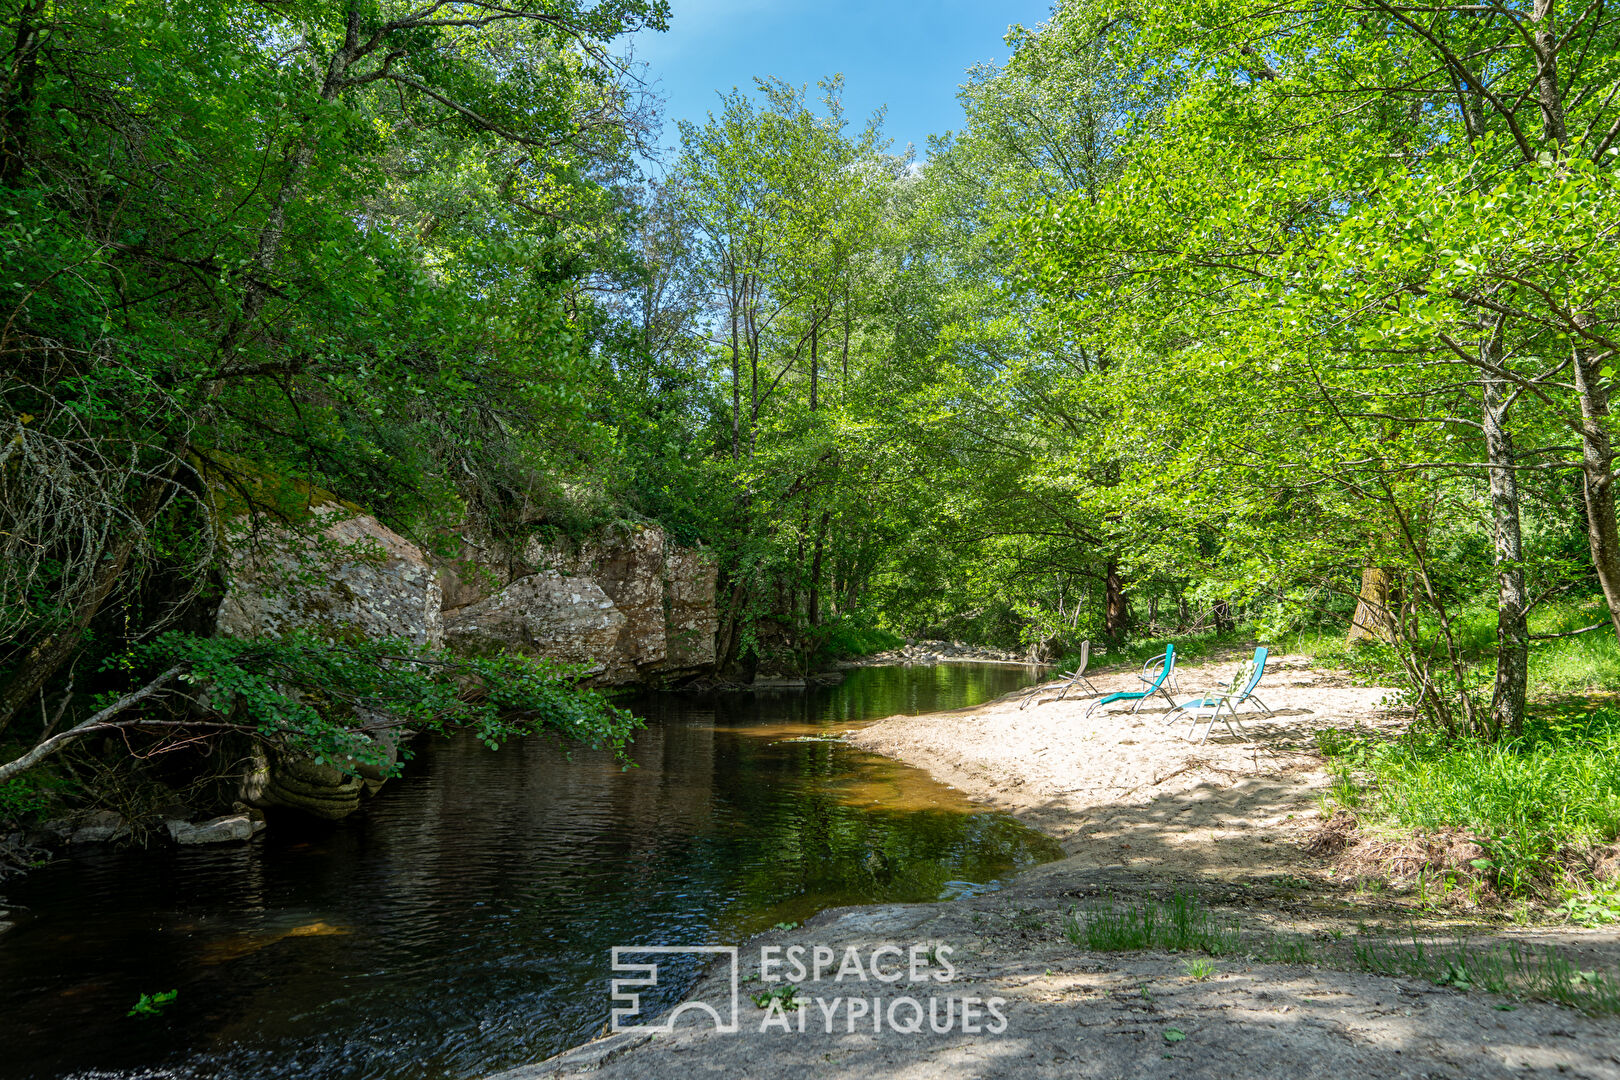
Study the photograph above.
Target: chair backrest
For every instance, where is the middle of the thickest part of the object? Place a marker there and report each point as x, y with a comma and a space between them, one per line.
1085, 657
1259, 670
1165, 666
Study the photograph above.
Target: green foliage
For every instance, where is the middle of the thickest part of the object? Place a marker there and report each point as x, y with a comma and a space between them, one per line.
332, 701
847, 637
153, 1004
23, 797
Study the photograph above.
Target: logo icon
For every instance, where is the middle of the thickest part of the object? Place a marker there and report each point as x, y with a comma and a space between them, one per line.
645, 976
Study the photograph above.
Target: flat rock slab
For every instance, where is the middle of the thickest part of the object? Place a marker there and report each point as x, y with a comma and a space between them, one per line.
1069, 1013
233, 828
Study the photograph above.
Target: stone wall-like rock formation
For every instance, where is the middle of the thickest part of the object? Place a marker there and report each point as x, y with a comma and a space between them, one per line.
691, 620
631, 605
544, 614
354, 578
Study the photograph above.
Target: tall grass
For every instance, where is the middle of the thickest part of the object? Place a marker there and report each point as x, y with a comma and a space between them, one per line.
1525, 800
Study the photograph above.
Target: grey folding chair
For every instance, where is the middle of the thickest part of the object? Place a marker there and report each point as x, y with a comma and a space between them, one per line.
1073, 679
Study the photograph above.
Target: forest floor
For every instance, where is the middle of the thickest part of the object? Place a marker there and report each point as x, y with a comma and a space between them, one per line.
1144, 816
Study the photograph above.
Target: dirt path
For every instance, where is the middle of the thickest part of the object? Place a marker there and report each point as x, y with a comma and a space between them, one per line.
1141, 811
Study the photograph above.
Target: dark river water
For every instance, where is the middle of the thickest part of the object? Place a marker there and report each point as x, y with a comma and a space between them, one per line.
461, 922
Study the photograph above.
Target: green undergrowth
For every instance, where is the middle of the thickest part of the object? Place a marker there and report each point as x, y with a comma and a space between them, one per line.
1582, 664
1184, 924
849, 637
1533, 803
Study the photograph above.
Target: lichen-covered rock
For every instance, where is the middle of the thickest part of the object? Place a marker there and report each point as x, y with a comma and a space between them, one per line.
629, 569
544, 614
358, 577
629, 604
101, 827
472, 573
692, 621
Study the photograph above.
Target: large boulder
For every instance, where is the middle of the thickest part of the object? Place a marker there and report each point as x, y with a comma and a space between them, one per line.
348, 577
354, 577
629, 569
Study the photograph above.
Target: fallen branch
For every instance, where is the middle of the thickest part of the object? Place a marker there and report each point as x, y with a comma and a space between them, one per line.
1570, 633
98, 722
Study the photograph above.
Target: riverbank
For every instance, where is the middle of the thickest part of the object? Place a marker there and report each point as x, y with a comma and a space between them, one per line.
1144, 816
926, 651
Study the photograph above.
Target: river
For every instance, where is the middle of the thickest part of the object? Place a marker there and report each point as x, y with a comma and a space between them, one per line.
460, 923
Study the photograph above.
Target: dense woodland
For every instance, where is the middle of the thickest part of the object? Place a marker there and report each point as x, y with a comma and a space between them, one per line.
1213, 316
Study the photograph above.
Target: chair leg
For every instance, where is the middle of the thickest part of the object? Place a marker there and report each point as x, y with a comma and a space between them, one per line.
1210, 726
1263, 707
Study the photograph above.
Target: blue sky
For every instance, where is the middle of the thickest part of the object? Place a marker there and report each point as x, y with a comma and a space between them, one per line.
909, 56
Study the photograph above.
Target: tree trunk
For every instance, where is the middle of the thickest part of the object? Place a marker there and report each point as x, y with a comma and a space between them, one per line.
736, 384
20, 82
813, 326
1116, 606
1512, 633
1373, 620
1222, 611
1597, 467
815, 569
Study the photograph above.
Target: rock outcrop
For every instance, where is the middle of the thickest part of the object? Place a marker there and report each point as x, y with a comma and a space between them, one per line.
631, 605
544, 614
355, 577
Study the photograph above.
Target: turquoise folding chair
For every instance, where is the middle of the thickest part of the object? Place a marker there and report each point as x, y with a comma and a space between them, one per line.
1155, 673
1222, 704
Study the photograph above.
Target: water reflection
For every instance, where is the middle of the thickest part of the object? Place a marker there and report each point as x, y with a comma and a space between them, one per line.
460, 924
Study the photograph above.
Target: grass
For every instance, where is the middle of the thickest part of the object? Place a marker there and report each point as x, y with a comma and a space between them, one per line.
1535, 803
1530, 802
1198, 968
1185, 924
1541, 974
1182, 924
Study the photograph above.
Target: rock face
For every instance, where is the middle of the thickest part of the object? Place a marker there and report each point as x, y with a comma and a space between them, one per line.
358, 578
691, 620
544, 614
632, 606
